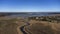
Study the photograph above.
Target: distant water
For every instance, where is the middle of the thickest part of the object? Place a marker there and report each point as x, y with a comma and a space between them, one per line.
33, 14
26, 15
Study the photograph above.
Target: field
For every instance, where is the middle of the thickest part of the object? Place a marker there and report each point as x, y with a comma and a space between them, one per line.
47, 25
11, 25
35, 25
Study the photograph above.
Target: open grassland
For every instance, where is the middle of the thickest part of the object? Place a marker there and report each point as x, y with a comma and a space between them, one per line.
43, 28
8, 27
11, 25
40, 29
44, 25
40, 25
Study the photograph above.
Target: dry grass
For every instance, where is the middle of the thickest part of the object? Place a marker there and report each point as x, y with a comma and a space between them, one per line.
9, 29
42, 28
10, 26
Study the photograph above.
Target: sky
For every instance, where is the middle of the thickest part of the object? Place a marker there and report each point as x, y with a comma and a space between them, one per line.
29, 5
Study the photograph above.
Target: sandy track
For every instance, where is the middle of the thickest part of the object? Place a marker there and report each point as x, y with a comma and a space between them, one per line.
18, 30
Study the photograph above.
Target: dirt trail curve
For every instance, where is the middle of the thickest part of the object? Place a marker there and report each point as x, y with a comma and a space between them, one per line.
20, 29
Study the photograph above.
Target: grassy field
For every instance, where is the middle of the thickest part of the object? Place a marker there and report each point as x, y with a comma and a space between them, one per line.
37, 26
40, 29
43, 26
11, 26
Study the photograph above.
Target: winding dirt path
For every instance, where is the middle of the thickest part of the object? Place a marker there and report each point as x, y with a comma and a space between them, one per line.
18, 30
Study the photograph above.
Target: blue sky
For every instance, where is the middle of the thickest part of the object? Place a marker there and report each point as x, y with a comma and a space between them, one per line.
29, 5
